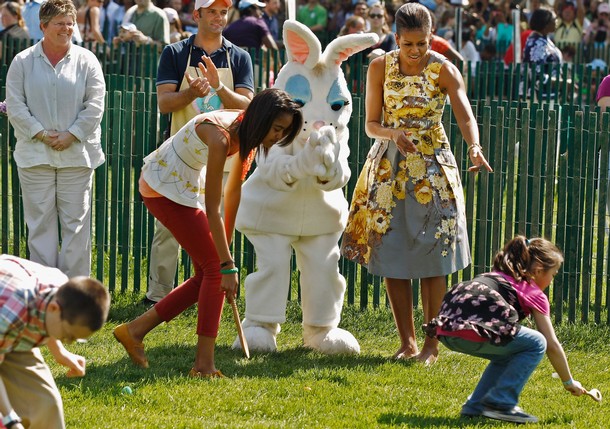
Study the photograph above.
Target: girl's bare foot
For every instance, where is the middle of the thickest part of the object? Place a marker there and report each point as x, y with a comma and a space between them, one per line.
428, 356
406, 352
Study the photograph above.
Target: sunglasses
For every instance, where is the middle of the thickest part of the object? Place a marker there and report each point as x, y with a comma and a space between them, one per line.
374, 15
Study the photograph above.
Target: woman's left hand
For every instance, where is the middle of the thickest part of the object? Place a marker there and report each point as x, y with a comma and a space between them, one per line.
478, 159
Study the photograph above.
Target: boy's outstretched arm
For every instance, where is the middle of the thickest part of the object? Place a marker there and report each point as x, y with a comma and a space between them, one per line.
74, 362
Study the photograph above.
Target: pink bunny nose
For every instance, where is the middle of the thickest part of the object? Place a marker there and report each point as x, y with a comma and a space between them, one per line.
318, 124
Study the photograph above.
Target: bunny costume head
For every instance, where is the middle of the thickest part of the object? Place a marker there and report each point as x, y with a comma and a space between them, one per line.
315, 78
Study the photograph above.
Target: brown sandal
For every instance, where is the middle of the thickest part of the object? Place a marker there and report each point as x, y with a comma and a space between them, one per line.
193, 373
134, 349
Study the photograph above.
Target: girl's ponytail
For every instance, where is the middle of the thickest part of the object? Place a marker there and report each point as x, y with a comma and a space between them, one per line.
521, 256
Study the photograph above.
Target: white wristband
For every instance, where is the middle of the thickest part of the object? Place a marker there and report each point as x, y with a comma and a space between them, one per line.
220, 86
11, 417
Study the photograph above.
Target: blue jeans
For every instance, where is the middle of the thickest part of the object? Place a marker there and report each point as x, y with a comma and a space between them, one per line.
509, 368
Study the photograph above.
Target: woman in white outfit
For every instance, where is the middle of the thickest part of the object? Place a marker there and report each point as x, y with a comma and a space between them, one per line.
55, 102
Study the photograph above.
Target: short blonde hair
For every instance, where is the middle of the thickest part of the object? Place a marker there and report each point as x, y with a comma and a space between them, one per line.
52, 8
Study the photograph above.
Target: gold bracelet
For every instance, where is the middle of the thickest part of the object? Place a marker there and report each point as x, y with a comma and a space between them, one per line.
472, 146
44, 135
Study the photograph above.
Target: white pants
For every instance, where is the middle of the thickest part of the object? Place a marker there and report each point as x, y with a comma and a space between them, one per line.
51, 194
163, 263
322, 286
31, 389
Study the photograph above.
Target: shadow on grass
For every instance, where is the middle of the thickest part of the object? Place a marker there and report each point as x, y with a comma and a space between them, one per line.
172, 363
427, 421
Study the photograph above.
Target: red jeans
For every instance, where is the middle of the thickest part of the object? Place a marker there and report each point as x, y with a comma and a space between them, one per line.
191, 229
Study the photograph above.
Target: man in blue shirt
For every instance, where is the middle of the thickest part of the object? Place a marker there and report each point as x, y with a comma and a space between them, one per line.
270, 12
30, 12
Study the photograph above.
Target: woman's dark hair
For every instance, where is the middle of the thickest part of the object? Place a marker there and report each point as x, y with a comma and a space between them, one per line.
541, 18
249, 11
264, 108
468, 32
83, 301
520, 257
413, 16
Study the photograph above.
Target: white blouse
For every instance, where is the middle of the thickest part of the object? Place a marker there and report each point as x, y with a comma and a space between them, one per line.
67, 97
177, 168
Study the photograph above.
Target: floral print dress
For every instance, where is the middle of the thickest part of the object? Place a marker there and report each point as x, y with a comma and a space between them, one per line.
407, 217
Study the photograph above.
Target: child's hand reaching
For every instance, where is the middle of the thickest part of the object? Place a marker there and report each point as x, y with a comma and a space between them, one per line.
76, 364
575, 388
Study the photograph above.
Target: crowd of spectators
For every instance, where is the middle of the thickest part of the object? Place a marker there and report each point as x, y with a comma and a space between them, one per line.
488, 26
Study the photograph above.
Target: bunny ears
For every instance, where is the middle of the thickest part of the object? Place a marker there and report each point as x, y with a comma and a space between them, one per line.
302, 45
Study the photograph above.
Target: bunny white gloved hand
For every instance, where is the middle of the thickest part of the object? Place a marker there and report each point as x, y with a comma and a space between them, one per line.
307, 162
329, 151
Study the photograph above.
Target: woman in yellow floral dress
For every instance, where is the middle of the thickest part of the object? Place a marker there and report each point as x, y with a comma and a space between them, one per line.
407, 218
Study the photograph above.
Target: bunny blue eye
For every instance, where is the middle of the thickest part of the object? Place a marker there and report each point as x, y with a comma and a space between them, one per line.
298, 87
337, 98
338, 105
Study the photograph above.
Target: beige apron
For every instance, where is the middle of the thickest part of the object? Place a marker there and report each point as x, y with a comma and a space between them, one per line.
209, 103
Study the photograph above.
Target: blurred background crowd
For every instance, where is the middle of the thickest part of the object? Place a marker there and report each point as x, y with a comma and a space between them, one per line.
486, 28
545, 31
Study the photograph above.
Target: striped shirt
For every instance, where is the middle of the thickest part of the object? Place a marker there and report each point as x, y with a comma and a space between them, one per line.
26, 288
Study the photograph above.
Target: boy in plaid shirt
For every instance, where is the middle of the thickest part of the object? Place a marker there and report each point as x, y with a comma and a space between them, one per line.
41, 306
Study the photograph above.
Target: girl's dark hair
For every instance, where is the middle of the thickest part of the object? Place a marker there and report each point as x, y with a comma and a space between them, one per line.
264, 108
540, 18
521, 256
413, 16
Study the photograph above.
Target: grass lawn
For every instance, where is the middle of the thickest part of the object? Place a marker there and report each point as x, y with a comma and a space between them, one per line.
299, 388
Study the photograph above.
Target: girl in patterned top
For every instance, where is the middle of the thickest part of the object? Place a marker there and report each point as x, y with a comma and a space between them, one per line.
407, 218
480, 317
181, 185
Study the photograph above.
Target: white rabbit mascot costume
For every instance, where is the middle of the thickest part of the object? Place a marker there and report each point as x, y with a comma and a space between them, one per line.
294, 200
